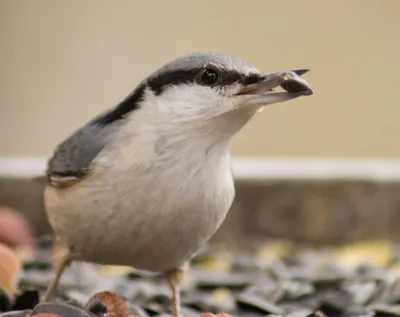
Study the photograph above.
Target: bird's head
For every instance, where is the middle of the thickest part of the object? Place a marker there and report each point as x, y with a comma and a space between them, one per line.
205, 85
213, 92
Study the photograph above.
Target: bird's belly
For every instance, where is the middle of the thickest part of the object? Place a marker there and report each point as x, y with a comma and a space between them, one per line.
153, 226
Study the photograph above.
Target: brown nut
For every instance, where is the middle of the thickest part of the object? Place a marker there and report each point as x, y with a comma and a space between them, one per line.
116, 305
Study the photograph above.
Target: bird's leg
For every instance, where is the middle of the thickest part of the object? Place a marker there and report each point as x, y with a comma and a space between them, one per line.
175, 278
61, 256
49, 294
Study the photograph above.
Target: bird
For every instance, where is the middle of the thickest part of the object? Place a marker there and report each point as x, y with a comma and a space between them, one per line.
148, 182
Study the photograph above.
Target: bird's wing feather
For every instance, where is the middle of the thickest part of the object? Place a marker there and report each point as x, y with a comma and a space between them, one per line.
73, 159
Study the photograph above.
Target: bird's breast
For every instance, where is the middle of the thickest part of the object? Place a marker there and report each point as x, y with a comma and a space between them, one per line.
150, 214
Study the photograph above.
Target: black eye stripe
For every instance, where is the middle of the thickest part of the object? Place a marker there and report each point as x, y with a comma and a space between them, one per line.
157, 84
251, 79
119, 112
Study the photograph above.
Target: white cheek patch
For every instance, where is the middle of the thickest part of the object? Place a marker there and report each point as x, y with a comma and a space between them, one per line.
188, 100
191, 101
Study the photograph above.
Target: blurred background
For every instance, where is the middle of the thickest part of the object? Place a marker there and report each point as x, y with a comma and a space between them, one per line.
327, 166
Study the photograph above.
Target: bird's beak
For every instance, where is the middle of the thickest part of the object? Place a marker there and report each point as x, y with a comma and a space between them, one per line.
260, 93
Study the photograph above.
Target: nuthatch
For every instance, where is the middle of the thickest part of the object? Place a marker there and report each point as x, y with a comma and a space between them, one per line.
148, 182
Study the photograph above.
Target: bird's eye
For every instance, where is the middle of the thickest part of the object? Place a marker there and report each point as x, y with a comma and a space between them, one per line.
209, 76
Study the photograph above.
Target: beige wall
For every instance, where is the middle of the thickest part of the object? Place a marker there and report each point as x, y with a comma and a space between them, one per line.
64, 61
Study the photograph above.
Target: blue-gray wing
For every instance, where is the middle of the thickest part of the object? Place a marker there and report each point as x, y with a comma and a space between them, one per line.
73, 158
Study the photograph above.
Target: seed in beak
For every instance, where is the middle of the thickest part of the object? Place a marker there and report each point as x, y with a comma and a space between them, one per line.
293, 83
